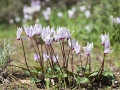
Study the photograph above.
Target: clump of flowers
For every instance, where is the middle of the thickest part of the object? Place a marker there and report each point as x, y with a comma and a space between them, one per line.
54, 69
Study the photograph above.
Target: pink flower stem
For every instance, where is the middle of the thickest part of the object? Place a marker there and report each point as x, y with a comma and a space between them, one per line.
68, 58
48, 54
80, 60
25, 57
36, 51
86, 63
40, 60
63, 52
55, 57
102, 66
72, 67
51, 56
89, 63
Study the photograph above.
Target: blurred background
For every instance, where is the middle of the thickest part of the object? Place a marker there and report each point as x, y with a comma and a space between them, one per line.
88, 18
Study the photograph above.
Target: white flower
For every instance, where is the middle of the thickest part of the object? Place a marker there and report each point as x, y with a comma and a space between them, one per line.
82, 8
46, 13
104, 38
55, 59
19, 31
106, 51
107, 44
88, 48
60, 14
77, 48
74, 45
36, 57
87, 14
38, 29
71, 12
46, 57
48, 40
31, 31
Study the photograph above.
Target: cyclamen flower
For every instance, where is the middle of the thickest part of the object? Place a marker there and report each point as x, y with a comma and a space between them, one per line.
36, 57
19, 31
77, 48
62, 33
106, 51
38, 29
74, 45
46, 13
46, 31
88, 48
104, 38
55, 59
46, 57
27, 29
107, 44
106, 47
48, 40
31, 31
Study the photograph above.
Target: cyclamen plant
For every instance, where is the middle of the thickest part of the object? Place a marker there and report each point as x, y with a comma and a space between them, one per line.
61, 34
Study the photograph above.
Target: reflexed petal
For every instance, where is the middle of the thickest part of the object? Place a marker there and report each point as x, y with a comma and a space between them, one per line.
19, 31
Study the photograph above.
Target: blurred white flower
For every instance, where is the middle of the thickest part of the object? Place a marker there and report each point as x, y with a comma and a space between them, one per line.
60, 14
46, 13
82, 8
87, 13
37, 20
11, 21
71, 12
17, 19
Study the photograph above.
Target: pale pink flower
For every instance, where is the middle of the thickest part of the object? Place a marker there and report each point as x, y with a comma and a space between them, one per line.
106, 51
88, 48
48, 40
55, 59
46, 57
38, 29
107, 44
36, 57
46, 13
104, 38
31, 31
19, 32
74, 45
77, 48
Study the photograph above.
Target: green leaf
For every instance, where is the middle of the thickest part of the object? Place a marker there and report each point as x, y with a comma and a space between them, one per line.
84, 80
34, 79
93, 74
